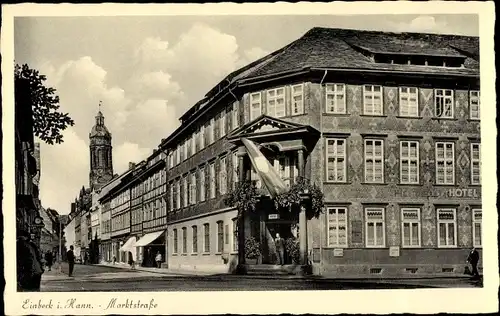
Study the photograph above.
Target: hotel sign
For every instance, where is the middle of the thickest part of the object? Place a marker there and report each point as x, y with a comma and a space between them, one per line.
273, 216
465, 193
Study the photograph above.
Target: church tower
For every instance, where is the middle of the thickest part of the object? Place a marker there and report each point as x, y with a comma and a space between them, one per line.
101, 157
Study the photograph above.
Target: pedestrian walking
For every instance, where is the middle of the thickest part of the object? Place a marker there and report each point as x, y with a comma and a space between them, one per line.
131, 261
280, 249
29, 265
114, 259
71, 260
473, 260
49, 259
158, 259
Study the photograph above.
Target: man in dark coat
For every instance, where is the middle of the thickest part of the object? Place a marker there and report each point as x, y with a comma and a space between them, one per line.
29, 265
280, 249
71, 260
473, 259
49, 259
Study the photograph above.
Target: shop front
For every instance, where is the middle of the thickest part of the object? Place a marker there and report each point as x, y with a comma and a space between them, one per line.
148, 247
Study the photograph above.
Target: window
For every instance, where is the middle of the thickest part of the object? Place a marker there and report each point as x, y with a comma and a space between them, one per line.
408, 101
477, 227
222, 124
210, 131
185, 191
235, 116
220, 236
475, 161
374, 161
282, 166
410, 227
212, 180
409, 162
443, 100
186, 152
337, 227
195, 238
206, 238
276, 102
235, 234
445, 163
447, 227
375, 227
335, 152
192, 189
178, 193
171, 196
184, 240
223, 176
235, 170
175, 241
194, 137
335, 98
372, 100
298, 99
202, 137
226, 234
178, 154
255, 105
202, 184
474, 105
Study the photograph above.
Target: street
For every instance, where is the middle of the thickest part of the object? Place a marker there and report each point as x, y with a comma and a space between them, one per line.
101, 278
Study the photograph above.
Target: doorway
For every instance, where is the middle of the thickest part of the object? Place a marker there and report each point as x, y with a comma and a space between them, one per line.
270, 228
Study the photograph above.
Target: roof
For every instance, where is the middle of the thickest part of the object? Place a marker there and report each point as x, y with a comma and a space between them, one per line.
99, 129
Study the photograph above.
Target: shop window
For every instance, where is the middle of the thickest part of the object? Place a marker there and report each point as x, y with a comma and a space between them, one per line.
410, 227
335, 98
447, 227
445, 163
337, 227
375, 227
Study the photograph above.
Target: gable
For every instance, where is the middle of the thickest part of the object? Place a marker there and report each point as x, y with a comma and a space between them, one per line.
265, 124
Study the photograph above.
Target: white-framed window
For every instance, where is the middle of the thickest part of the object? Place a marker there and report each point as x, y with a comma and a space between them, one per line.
475, 163
336, 160
447, 227
192, 189
223, 176
212, 180
477, 227
298, 99
372, 100
202, 137
178, 193
335, 98
474, 105
171, 196
235, 116
185, 191
410, 227
184, 240
409, 171
176, 242
443, 101
337, 227
194, 231
210, 131
235, 169
445, 163
186, 149
194, 137
283, 166
255, 105
178, 154
222, 124
374, 161
408, 101
206, 238
202, 184
276, 102
375, 227
220, 236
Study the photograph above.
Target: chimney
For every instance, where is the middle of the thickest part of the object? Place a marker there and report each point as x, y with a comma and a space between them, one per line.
131, 165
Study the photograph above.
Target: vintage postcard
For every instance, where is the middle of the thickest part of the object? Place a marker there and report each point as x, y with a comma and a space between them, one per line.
220, 158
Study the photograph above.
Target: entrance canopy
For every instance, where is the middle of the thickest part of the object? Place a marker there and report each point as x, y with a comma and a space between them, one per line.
148, 238
129, 245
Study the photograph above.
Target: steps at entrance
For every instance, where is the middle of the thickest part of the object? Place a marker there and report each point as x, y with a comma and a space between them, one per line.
271, 269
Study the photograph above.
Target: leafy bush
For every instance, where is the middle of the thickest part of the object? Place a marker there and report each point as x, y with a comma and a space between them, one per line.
252, 248
293, 249
293, 198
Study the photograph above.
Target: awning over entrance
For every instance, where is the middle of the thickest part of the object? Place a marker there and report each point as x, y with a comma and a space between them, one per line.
148, 238
129, 245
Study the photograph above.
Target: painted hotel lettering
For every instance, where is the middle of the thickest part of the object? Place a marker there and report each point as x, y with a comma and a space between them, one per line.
462, 193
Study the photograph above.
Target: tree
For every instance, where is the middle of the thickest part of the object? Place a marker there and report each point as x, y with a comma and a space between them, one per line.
48, 123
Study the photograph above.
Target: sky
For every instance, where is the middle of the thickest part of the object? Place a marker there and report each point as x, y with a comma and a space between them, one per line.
149, 70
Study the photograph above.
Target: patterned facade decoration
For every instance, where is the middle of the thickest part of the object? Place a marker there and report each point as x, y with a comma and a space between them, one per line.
393, 226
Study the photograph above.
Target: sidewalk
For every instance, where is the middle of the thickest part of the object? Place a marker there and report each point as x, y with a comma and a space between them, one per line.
155, 270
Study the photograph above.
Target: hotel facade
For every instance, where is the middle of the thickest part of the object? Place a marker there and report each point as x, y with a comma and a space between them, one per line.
387, 125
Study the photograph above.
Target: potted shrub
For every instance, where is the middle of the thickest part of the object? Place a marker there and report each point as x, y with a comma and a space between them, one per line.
293, 249
252, 250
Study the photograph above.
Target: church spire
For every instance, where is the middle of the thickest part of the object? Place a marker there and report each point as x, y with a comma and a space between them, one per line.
101, 159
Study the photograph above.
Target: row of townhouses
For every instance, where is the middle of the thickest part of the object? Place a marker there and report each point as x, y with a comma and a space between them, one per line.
386, 124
